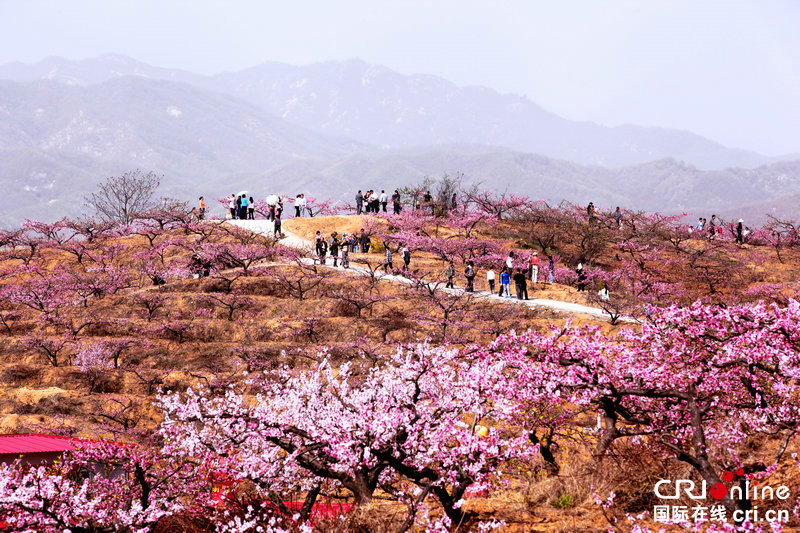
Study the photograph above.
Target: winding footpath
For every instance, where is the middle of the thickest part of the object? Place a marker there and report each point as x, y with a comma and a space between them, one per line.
265, 227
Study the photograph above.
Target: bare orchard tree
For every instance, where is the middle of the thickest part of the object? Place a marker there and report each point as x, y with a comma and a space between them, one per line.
119, 198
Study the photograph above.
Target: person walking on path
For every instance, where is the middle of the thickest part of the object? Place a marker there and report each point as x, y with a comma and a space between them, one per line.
345, 251
323, 250
521, 284
505, 283
277, 223
388, 264
581, 278
201, 214
333, 246
384, 200
318, 243
469, 273
490, 279
533, 268
450, 273
396, 202
406, 258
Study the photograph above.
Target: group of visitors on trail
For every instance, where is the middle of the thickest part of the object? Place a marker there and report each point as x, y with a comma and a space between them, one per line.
341, 246
241, 207
711, 229
516, 269
372, 202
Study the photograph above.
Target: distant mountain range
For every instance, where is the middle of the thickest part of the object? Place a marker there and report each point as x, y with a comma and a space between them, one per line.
330, 128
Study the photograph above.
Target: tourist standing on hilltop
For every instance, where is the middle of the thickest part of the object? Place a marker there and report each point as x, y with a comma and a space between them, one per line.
232, 206
521, 284
245, 207
469, 273
490, 276
396, 202
384, 200
297, 206
739, 232
618, 217
251, 209
427, 200
277, 223
303, 205
359, 202
712, 226
376, 202
450, 273
505, 283
201, 214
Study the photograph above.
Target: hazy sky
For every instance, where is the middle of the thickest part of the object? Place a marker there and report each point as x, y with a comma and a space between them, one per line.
727, 69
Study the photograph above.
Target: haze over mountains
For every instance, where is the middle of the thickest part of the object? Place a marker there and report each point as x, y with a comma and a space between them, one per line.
330, 128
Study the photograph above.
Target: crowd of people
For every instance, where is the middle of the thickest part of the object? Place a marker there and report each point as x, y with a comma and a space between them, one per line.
711, 229
338, 248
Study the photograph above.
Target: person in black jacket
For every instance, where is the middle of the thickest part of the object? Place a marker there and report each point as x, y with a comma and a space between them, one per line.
521, 283
581, 278
469, 273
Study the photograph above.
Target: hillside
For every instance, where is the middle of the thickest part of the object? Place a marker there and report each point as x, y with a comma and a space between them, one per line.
238, 340
381, 107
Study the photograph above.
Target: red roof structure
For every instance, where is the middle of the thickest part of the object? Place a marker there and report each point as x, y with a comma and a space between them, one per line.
36, 448
22, 443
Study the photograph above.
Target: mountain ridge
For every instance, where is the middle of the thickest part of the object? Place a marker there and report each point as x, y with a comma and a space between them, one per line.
360, 100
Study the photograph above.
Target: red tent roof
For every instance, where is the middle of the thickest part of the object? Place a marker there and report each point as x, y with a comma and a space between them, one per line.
36, 443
